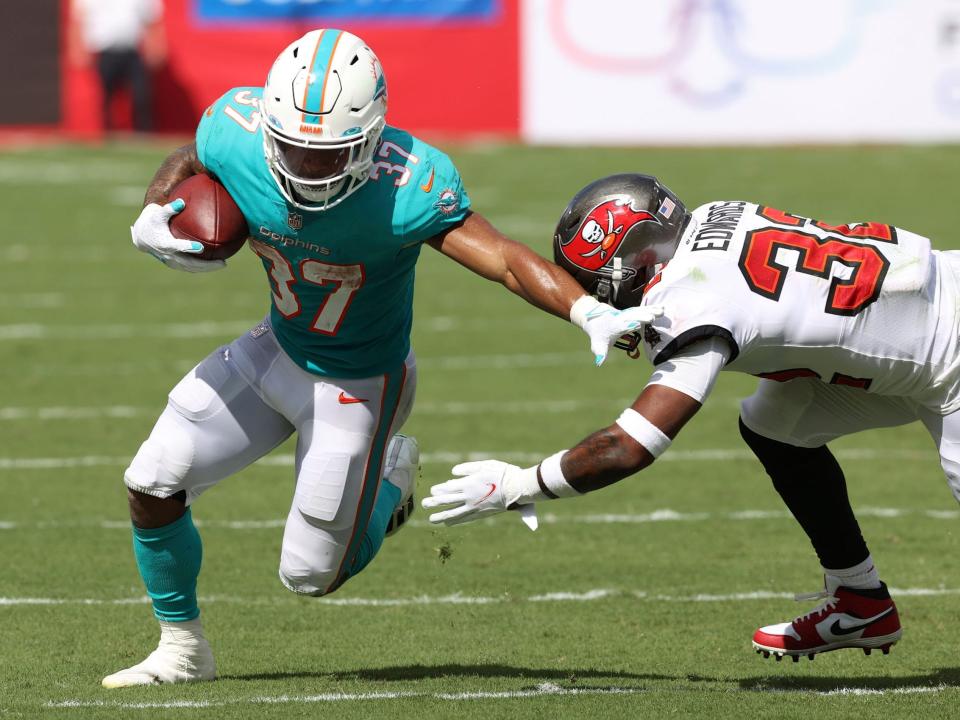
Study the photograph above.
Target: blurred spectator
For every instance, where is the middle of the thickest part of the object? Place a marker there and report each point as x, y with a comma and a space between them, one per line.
125, 39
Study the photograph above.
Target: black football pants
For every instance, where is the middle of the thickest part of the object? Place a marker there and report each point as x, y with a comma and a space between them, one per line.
812, 485
125, 67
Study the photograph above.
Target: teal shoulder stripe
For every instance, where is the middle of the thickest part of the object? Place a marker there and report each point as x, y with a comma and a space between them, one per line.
318, 74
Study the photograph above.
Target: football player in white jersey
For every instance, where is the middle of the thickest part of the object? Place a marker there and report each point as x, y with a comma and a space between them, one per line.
849, 327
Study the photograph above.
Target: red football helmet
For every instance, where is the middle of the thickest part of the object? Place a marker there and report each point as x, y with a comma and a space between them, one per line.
615, 232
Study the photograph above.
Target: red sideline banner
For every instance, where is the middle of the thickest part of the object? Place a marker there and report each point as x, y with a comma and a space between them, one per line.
449, 76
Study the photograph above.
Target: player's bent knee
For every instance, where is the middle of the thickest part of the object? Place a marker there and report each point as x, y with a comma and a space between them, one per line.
951, 470
772, 454
303, 580
768, 451
310, 558
785, 463
163, 461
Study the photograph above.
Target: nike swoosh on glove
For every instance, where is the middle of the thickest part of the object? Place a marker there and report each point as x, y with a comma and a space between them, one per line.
604, 324
483, 488
151, 234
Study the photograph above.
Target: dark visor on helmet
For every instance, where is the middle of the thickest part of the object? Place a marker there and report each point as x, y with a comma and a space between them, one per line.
312, 163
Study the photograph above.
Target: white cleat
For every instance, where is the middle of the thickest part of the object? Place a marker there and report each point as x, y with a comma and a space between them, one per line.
183, 655
402, 468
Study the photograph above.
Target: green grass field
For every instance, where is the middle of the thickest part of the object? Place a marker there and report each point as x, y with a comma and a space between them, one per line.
638, 601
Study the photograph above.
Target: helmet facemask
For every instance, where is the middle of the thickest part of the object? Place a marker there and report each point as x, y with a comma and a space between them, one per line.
317, 176
323, 113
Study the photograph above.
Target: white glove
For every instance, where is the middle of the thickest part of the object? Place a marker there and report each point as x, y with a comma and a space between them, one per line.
482, 489
605, 324
151, 234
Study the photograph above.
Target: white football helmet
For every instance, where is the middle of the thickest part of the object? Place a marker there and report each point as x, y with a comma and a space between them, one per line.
323, 111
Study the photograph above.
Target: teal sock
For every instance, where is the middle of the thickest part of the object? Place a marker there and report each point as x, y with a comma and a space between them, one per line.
377, 527
169, 559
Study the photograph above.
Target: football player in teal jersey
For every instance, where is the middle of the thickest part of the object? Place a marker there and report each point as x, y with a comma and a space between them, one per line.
338, 206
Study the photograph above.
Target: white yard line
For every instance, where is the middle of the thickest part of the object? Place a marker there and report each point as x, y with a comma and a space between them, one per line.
501, 361
461, 599
909, 690
544, 689
61, 463
223, 331
126, 196
114, 331
73, 412
66, 173
425, 408
32, 301
450, 457
120, 331
656, 516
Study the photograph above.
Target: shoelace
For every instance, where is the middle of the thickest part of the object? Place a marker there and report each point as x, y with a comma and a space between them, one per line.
828, 603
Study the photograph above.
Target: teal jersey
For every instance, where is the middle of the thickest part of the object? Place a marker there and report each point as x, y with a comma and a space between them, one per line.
341, 279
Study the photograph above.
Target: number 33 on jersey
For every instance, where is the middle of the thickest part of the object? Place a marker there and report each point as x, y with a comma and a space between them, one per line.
341, 281
795, 297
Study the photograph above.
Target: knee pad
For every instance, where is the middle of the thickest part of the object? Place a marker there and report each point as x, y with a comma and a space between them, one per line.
299, 577
164, 459
310, 557
302, 585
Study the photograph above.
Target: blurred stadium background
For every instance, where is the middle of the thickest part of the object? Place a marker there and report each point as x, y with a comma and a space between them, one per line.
549, 71
637, 600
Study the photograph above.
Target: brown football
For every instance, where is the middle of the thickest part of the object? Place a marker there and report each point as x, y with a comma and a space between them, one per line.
210, 217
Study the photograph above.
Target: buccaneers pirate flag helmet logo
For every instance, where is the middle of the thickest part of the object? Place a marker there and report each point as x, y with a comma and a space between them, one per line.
602, 231
615, 232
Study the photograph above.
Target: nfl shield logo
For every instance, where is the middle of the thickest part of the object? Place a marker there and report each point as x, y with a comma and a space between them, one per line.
294, 220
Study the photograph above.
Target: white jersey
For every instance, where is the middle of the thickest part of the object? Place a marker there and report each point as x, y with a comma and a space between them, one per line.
116, 24
866, 305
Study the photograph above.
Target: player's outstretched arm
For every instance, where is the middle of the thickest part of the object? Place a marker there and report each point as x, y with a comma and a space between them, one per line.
151, 231
632, 443
641, 434
480, 247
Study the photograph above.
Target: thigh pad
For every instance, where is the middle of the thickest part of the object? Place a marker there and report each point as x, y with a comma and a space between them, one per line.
208, 388
321, 483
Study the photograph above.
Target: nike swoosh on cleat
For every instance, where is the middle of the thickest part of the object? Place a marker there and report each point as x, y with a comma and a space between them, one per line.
838, 629
428, 185
345, 399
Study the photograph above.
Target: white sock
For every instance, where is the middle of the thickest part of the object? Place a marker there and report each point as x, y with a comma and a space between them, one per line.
862, 576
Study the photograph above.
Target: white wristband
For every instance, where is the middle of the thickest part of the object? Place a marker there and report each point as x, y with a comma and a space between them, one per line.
540, 482
579, 310
644, 432
550, 477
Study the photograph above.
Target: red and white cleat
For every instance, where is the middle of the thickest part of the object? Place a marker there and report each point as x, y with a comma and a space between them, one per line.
847, 618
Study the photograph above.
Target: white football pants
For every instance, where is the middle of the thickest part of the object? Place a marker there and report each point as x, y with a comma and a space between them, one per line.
809, 413
246, 398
